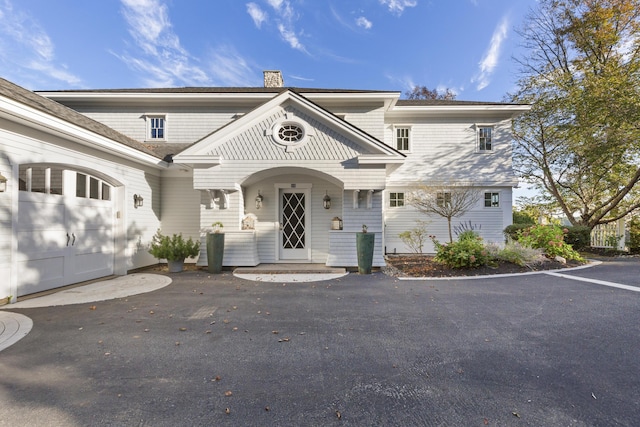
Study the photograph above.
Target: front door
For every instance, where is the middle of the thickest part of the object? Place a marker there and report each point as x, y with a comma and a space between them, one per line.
294, 220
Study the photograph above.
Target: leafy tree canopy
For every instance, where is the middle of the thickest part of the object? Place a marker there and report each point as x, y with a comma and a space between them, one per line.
423, 92
580, 142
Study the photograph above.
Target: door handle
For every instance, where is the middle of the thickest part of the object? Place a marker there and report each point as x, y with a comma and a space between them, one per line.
68, 238
73, 242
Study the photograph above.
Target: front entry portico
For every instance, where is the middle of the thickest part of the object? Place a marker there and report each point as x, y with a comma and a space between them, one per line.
275, 165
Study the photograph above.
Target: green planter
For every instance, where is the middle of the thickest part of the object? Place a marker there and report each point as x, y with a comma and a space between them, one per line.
175, 265
215, 252
364, 245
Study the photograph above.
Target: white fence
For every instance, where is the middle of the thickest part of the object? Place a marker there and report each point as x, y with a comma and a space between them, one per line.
608, 235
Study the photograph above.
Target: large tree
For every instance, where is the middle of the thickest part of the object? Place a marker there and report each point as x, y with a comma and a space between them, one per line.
423, 92
580, 142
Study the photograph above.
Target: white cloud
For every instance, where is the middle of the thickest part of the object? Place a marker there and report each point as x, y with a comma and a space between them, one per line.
490, 60
25, 47
257, 14
364, 23
162, 57
285, 17
229, 68
398, 6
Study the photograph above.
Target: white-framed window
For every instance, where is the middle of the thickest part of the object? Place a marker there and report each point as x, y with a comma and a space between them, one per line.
402, 136
484, 138
396, 200
491, 200
156, 128
443, 199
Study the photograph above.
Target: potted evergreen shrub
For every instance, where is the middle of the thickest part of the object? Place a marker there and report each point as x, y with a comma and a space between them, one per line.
215, 248
364, 246
174, 249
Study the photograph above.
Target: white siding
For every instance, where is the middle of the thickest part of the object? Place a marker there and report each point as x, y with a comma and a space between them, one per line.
445, 149
490, 222
180, 208
184, 125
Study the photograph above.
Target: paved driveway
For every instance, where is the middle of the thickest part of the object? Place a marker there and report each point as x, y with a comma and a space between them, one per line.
362, 350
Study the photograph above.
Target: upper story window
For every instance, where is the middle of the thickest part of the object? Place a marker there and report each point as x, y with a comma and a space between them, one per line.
491, 200
402, 138
396, 200
443, 199
485, 138
156, 128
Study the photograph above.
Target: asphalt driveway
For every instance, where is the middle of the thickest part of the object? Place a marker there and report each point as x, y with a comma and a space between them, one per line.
535, 350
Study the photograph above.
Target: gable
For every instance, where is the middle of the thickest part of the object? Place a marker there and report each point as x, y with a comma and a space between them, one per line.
255, 136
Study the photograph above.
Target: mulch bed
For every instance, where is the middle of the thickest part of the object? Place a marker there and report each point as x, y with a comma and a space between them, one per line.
426, 266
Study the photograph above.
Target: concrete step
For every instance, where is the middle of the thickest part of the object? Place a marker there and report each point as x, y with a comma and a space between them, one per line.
289, 269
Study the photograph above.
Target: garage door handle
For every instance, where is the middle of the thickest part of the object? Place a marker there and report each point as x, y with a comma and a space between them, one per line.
73, 242
68, 238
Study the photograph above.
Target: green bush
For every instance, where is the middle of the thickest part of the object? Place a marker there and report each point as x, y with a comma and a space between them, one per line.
634, 235
467, 252
520, 217
516, 253
173, 248
549, 238
511, 231
578, 236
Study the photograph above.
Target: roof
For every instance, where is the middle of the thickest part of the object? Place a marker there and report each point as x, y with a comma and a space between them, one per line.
447, 102
33, 100
218, 90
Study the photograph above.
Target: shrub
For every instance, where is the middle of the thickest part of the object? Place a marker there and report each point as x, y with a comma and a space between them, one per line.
578, 236
521, 217
465, 226
173, 248
511, 231
516, 253
415, 237
549, 238
634, 235
468, 251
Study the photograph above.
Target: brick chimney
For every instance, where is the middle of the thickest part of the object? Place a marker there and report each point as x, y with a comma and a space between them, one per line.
273, 78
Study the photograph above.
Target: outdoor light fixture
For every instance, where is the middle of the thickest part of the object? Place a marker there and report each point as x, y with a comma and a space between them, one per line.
137, 201
259, 200
3, 183
326, 201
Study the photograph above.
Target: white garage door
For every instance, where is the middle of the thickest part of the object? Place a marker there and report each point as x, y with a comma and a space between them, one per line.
65, 229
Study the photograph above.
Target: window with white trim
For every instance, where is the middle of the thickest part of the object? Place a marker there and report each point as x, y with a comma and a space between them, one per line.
485, 138
396, 200
156, 128
491, 200
443, 198
402, 135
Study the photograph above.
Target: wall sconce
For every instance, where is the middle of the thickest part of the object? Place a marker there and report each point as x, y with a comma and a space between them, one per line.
259, 200
137, 201
326, 201
3, 183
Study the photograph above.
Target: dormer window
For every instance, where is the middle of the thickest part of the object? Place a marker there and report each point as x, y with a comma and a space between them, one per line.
156, 128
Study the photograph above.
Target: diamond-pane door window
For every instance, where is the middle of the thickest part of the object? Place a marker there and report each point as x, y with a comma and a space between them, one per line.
293, 218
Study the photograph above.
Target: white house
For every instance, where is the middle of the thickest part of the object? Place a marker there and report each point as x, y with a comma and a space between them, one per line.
92, 174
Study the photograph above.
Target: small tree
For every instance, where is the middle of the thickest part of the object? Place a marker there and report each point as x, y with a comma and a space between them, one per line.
446, 200
415, 237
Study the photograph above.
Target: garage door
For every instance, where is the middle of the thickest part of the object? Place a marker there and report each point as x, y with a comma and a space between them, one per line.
65, 228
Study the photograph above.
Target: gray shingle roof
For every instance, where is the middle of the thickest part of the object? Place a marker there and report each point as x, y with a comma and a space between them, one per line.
274, 90
445, 102
33, 100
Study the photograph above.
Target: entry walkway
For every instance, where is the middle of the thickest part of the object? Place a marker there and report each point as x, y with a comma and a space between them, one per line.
289, 273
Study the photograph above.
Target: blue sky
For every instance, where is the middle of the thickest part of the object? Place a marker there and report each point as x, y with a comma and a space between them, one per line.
466, 45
